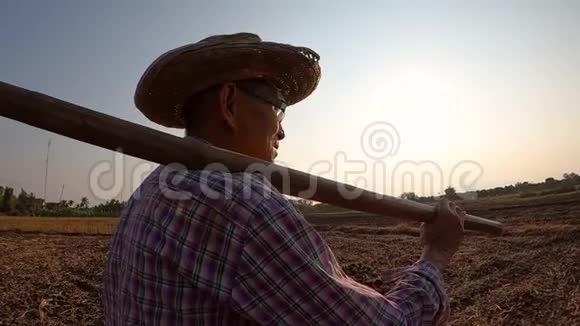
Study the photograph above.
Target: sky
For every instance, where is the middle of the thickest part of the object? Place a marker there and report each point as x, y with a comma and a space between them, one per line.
473, 94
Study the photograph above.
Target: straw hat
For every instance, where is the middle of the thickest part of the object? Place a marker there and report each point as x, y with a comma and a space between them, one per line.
178, 74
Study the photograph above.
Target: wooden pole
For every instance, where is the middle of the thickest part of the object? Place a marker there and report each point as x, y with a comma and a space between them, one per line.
70, 120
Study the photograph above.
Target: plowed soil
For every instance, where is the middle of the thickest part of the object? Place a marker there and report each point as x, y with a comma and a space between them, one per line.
530, 275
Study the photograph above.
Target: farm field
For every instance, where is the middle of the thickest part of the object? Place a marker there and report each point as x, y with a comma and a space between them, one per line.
530, 275
67, 225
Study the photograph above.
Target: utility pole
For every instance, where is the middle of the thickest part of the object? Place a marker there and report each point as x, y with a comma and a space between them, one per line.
61, 192
46, 168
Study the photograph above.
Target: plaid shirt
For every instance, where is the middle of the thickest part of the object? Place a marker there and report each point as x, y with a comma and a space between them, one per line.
200, 248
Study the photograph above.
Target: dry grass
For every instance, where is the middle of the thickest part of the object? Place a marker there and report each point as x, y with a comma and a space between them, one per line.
68, 225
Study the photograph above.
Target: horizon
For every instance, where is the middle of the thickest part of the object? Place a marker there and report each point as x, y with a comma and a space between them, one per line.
532, 182
491, 84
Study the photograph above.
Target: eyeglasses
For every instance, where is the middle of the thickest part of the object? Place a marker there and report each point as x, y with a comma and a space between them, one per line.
264, 92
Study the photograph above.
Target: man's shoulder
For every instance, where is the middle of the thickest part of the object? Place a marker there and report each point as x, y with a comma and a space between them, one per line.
179, 176
250, 182
246, 196
250, 188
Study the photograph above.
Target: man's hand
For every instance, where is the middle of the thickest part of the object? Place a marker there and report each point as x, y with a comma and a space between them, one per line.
441, 237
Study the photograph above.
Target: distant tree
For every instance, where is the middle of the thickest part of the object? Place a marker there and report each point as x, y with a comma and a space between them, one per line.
451, 194
84, 203
7, 200
550, 180
571, 177
26, 203
22, 203
565, 176
70, 203
63, 204
409, 196
521, 184
112, 207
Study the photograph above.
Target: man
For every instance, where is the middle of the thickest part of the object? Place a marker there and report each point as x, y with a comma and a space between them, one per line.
200, 248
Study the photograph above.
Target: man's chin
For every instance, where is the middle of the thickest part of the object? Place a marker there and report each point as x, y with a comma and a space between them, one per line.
274, 154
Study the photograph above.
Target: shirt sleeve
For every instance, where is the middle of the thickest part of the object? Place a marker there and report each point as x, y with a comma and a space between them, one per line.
421, 286
281, 281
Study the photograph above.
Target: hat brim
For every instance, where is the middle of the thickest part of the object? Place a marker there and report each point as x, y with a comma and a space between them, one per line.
178, 74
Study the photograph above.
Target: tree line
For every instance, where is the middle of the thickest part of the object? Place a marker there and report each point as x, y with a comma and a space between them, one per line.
27, 204
570, 182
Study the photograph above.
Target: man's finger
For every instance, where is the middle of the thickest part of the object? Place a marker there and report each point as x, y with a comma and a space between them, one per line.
461, 217
453, 207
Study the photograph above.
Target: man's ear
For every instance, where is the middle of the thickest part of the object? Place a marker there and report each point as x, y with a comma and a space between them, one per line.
228, 104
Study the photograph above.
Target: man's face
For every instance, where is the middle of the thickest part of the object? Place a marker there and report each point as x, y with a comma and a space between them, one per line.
258, 121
